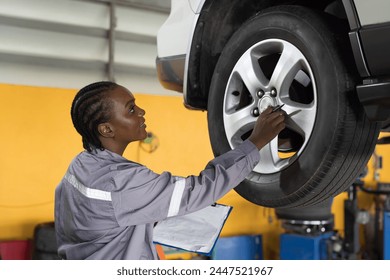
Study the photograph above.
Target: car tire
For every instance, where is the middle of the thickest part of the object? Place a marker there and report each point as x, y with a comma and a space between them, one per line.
45, 244
45, 237
318, 212
292, 55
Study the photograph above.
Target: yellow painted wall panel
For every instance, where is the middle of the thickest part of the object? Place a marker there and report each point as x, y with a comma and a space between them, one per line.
182, 134
38, 143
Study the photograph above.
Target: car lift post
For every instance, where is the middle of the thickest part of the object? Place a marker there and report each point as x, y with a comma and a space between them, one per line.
382, 213
351, 224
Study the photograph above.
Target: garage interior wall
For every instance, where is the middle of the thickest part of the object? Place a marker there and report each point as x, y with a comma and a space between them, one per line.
51, 48
65, 43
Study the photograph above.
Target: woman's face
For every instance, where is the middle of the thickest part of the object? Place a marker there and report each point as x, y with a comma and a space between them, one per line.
127, 119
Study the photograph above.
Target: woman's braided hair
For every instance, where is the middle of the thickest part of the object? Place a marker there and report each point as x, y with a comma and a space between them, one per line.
90, 108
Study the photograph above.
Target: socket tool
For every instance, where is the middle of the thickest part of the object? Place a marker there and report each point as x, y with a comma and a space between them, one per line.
277, 108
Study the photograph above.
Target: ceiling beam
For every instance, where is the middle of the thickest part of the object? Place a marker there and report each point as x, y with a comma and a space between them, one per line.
151, 5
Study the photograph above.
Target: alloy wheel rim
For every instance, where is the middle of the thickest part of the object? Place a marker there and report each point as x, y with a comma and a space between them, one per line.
271, 72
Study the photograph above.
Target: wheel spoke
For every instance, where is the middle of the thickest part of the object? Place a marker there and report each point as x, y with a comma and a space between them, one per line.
250, 72
286, 68
269, 157
300, 117
238, 123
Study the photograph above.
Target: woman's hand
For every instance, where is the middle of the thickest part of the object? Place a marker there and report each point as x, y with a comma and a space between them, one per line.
267, 127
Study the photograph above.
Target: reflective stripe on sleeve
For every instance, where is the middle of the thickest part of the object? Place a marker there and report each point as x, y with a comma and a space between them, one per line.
88, 192
177, 194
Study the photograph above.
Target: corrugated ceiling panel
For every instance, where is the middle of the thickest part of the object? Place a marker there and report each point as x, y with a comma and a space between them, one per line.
59, 11
52, 44
139, 21
64, 43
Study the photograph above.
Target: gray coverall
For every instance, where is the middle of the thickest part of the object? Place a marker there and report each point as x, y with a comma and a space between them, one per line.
106, 205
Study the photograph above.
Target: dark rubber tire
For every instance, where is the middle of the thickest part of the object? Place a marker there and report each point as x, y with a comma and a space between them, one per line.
38, 255
319, 212
45, 238
342, 139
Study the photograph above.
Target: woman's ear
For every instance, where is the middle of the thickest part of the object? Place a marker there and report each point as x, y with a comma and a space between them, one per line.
105, 130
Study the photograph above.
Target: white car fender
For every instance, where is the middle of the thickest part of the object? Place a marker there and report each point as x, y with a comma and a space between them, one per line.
175, 35
196, 5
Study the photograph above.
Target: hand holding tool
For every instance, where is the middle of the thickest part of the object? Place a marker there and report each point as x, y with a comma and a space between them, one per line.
277, 108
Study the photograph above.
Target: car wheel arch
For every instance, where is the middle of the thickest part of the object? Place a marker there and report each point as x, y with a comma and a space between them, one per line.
208, 40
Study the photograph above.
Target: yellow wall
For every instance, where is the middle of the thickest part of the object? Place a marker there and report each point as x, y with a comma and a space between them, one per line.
38, 142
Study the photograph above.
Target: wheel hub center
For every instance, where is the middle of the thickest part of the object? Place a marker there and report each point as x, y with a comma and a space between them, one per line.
266, 102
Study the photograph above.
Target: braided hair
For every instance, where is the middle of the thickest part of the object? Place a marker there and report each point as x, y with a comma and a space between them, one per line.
90, 108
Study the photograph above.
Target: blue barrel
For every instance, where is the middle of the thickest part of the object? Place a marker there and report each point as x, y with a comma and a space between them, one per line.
244, 247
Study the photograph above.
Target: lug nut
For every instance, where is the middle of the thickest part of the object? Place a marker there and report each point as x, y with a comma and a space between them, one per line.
260, 93
256, 112
273, 92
